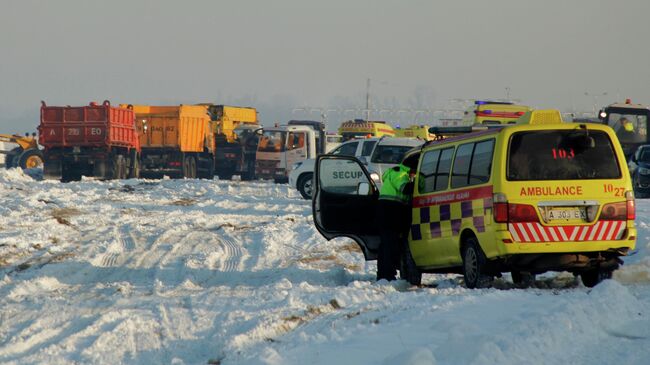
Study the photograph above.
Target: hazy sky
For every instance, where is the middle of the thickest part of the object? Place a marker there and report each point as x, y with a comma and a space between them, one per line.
285, 54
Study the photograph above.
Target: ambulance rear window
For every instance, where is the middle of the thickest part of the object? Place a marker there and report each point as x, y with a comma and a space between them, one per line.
561, 155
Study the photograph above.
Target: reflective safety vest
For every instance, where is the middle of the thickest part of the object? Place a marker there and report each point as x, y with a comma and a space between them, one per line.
393, 182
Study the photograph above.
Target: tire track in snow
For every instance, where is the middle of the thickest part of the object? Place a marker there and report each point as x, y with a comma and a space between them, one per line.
233, 254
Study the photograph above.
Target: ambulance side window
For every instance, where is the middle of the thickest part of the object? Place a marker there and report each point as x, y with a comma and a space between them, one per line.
462, 162
481, 162
427, 177
444, 166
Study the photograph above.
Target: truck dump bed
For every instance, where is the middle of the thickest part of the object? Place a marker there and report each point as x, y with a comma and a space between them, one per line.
184, 127
87, 126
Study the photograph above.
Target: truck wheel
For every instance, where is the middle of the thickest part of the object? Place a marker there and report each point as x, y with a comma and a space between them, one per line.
189, 167
207, 168
30, 159
117, 167
52, 170
474, 263
305, 185
134, 171
408, 270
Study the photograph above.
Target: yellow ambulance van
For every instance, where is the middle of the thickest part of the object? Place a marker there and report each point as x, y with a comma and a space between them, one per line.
540, 195
485, 112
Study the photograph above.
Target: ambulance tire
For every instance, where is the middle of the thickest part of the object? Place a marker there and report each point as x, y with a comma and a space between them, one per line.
305, 185
523, 279
474, 264
593, 277
408, 270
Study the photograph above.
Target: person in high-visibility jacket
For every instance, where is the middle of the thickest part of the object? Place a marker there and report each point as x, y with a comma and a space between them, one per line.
394, 217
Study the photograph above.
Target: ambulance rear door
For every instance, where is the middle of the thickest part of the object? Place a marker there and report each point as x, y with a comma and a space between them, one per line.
345, 202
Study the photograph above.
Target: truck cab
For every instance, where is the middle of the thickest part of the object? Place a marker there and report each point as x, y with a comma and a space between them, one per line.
630, 122
281, 147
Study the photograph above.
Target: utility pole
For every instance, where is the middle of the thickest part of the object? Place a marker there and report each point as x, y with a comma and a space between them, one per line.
368, 100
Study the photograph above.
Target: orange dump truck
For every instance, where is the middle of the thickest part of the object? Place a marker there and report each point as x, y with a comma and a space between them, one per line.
176, 140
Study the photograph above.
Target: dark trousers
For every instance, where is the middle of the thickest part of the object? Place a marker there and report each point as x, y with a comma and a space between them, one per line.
393, 218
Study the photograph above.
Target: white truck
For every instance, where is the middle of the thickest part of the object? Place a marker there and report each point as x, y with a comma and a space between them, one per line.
280, 147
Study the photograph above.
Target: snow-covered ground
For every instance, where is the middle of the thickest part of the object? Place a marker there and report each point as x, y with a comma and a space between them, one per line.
229, 272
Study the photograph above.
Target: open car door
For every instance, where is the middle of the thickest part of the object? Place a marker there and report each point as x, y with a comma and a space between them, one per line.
345, 202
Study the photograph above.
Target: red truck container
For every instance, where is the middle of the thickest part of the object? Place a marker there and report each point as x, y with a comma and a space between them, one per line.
94, 140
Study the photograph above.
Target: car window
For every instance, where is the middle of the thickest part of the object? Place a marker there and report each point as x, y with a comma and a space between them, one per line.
561, 155
346, 149
444, 167
389, 154
460, 173
367, 147
481, 163
426, 176
645, 155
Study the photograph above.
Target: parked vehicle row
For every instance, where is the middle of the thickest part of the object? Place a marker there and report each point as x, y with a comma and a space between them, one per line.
111, 142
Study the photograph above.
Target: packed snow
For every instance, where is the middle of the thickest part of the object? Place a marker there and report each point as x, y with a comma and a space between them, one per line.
229, 272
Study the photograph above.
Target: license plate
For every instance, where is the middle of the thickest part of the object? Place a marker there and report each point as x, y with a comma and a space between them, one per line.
566, 214
265, 171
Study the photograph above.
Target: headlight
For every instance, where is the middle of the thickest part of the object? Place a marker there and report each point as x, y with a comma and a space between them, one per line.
375, 176
644, 171
296, 165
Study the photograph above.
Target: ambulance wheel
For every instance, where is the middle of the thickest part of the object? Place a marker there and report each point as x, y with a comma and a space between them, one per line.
523, 279
408, 270
305, 185
474, 263
593, 277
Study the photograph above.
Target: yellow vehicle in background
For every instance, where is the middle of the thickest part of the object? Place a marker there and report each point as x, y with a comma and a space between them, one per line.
175, 140
415, 131
26, 155
494, 112
361, 128
235, 140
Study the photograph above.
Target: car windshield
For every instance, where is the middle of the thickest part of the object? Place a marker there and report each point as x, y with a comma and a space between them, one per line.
644, 156
272, 141
561, 155
389, 154
629, 128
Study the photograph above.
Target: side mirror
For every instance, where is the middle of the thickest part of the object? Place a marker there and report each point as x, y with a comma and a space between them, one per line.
363, 188
259, 132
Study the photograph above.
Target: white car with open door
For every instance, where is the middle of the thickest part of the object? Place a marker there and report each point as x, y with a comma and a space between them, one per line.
302, 172
345, 202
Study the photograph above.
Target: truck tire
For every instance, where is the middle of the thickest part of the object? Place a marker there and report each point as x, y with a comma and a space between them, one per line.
206, 170
52, 170
118, 168
189, 167
30, 159
305, 185
134, 170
